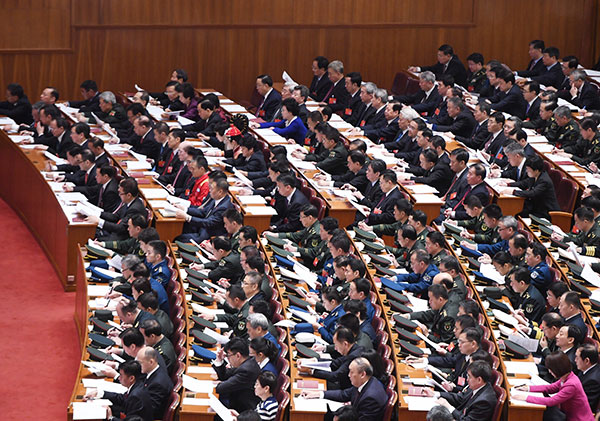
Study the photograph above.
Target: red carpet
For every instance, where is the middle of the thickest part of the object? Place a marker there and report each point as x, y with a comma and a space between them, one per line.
39, 350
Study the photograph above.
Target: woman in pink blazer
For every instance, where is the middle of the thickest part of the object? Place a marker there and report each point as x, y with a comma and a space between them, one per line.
568, 394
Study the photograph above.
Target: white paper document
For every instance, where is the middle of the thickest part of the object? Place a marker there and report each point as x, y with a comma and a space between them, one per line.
197, 386
89, 410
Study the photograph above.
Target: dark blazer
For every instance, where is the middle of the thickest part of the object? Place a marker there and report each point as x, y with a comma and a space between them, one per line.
206, 127
269, 106
461, 125
365, 115
352, 111
89, 187
91, 105
478, 136
116, 223
136, 402
455, 68
588, 97
319, 87
552, 77
237, 385
372, 195
107, 198
209, 217
440, 115
496, 144
420, 103
383, 212
340, 369
20, 111
511, 102
439, 177
472, 408
533, 69
591, 386
288, 214
456, 190
338, 98
369, 403
385, 133
60, 149
148, 146
480, 191
513, 173
256, 162
376, 121
539, 194
358, 180
532, 113
159, 386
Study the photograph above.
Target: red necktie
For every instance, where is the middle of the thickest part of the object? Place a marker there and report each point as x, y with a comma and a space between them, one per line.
168, 162
100, 198
463, 198
177, 176
326, 97
85, 178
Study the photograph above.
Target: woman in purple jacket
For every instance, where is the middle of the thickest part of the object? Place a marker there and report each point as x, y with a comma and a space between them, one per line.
567, 392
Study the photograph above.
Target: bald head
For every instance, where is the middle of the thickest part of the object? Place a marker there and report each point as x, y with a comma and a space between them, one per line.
148, 358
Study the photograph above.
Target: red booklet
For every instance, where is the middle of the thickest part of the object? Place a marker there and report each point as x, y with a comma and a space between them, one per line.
308, 384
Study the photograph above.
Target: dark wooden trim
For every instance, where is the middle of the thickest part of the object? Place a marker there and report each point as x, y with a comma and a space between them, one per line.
371, 25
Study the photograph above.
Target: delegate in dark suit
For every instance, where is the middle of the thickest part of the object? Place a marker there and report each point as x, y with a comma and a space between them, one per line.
369, 403
91, 105
353, 110
159, 386
269, 105
107, 196
588, 97
439, 177
454, 67
19, 111
421, 102
590, 380
532, 115
365, 115
237, 385
534, 68
471, 407
383, 134
550, 77
135, 402
338, 378
539, 194
478, 136
480, 190
319, 87
461, 125
115, 223
338, 97
288, 212
207, 221
383, 213
511, 102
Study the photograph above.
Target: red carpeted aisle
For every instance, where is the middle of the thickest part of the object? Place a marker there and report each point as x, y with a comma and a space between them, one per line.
39, 350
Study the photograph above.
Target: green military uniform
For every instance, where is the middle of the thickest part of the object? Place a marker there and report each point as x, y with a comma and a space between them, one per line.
403, 255
336, 162
483, 233
562, 136
237, 321
475, 81
388, 229
318, 154
520, 260
435, 260
309, 243
128, 246
588, 241
165, 348
166, 325
228, 267
235, 242
439, 322
422, 236
585, 151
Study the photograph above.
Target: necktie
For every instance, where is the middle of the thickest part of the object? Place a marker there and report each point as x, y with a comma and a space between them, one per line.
260, 106
528, 107
100, 198
518, 173
85, 178
119, 207
168, 163
531, 65
463, 198
326, 97
489, 142
177, 176
451, 185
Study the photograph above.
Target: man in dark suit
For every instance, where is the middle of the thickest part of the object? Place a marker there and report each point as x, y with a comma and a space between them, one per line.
385, 132
383, 212
405, 140
85, 179
145, 142
373, 192
206, 221
462, 120
17, 105
583, 93
437, 174
353, 82
586, 359
448, 64
271, 98
157, 383
374, 115
251, 158
209, 118
478, 401
510, 99
136, 401
236, 387
91, 98
337, 97
320, 84
106, 195
536, 64
516, 160
367, 94
367, 395
60, 129
531, 90
111, 112
475, 186
113, 225
476, 139
496, 138
551, 74
426, 100
288, 205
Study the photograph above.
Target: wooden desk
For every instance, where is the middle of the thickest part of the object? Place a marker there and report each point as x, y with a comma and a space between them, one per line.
24, 188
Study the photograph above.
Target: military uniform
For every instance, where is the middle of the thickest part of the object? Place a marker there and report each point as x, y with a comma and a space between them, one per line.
412, 282
336, 161
228, 267
165, 348
438, 257
237, 321
588, 241
483, 233
235, 242
160, 272
329, 323
562, 136
128, 246
587, 151
308, 241
317, 153
475, 80
439, 322
541, 277
388, 229
531, 302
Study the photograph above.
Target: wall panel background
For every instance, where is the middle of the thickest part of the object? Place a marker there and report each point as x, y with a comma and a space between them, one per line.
225, 44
